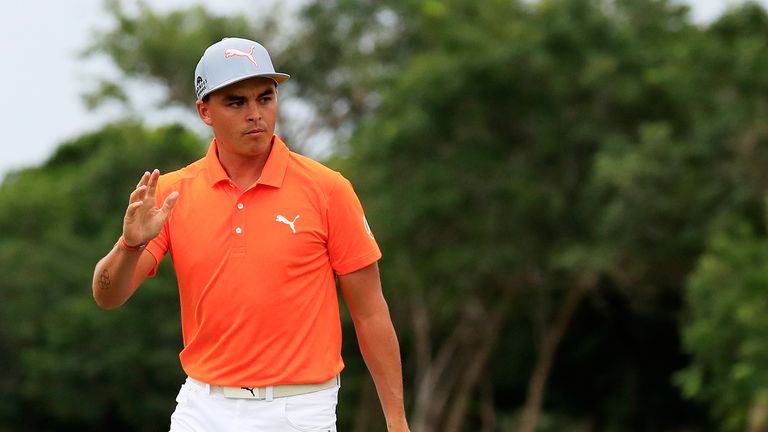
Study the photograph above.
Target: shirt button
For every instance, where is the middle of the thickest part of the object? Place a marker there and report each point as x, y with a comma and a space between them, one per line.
240, 206
238, 230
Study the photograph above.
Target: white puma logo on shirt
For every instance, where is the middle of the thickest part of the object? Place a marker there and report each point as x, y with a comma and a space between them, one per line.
283, 219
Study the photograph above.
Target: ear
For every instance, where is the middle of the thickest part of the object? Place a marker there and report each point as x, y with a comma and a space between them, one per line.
204, 112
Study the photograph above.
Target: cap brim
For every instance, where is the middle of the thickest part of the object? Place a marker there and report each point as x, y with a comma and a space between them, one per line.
277, 77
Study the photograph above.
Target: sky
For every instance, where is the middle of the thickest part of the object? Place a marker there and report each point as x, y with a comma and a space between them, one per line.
43, 74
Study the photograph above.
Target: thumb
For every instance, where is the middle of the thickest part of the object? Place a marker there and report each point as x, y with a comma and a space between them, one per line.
170, 202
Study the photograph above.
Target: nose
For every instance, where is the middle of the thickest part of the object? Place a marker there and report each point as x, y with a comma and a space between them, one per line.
254, 113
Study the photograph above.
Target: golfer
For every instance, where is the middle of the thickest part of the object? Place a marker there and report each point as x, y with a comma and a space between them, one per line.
258, 236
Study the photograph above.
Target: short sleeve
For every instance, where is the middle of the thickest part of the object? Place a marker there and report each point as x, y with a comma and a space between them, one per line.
351, 245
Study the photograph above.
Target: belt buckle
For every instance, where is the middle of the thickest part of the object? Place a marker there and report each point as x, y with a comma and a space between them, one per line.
241, 393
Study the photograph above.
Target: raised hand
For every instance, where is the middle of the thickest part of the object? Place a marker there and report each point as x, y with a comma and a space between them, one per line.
143, 220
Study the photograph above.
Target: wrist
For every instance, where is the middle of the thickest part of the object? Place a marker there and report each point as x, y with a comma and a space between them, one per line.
398, 425
128, 248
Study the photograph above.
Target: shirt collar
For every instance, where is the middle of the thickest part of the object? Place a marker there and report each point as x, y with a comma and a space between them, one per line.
272, 174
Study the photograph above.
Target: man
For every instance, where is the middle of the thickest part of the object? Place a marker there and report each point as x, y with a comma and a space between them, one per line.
258, 236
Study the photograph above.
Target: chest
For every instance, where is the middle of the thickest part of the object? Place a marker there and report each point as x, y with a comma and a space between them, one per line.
272, 226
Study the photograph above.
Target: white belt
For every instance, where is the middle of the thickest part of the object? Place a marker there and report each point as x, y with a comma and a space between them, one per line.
270, 392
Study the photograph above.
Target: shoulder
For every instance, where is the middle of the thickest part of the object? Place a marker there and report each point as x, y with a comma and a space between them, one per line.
312, 171
175, 179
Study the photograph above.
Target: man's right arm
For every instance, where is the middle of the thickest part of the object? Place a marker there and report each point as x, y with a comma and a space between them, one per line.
118, 274
122, 270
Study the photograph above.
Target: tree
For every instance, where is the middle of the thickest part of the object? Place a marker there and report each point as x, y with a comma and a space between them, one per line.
575, 158
158, 48
725, 329
68, 364
543, 178
157, 53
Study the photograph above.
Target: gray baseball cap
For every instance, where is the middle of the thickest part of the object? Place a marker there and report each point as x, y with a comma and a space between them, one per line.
232, 60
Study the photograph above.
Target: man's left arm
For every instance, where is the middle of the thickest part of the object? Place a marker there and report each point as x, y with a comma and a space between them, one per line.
378, 341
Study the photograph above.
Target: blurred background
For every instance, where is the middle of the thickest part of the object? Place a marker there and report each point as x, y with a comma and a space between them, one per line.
569, 194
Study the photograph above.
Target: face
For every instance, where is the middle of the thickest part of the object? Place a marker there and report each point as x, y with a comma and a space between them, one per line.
242, 116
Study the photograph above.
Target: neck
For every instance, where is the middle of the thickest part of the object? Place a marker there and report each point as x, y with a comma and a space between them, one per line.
244, 171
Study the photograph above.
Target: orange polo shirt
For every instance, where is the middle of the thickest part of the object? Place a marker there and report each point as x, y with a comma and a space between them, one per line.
256, 268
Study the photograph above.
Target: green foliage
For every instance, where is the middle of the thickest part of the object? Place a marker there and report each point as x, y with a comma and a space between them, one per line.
515, 167
726, 326
444, 151
503, 150
724, 329
67, 362
163, 48
578, 143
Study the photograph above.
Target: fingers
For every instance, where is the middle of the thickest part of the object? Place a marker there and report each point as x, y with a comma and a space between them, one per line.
145, 193
142, 219
142, 187
152, 184
143, 180
130, 212
137, 194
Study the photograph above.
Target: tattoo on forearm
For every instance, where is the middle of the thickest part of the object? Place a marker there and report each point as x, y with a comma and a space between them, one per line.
104, 281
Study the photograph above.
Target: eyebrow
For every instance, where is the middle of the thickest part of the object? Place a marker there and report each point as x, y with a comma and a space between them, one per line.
237, 98
266, 92
233, 98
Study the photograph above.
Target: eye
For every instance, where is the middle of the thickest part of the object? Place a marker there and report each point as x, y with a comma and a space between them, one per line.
266, 99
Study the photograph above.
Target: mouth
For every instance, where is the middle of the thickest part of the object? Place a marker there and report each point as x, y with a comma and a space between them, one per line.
254, 132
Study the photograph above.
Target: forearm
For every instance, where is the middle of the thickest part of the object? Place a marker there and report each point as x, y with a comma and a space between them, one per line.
113, 278
381, 352
378, 342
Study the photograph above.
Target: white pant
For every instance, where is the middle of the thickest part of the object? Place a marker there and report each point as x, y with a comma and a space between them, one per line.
199, 409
